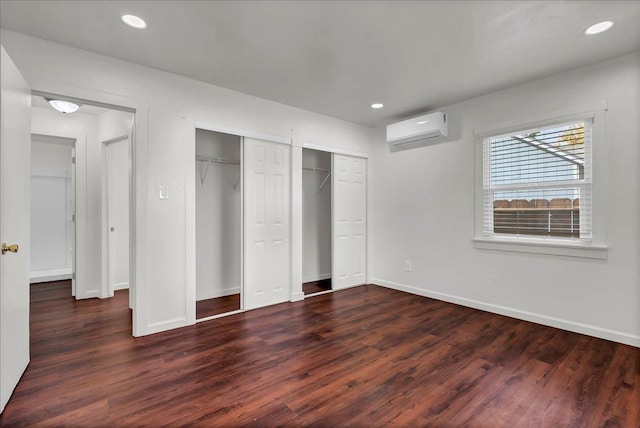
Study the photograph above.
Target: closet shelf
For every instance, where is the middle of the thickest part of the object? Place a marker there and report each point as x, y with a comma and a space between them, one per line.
217, 160
203, 176
319, 170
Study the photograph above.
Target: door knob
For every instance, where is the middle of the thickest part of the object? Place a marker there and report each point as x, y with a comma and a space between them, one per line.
13, 248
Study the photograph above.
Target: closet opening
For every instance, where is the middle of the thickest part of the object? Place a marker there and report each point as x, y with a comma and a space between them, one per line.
218, 223
316, 221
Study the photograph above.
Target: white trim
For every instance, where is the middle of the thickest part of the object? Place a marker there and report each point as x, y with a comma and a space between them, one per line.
319, 293
48, 275
51, 173
563, 324
242, 132
226, 314
330, 149
120, 286
217, 293
542, 246
165, 325
297, 296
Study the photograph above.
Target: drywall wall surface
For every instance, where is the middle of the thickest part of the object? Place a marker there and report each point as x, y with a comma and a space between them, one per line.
218, 216
165, 233
316, 216
423, 201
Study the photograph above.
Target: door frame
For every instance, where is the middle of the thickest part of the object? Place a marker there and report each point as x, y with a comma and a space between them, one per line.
72, 142
138, 267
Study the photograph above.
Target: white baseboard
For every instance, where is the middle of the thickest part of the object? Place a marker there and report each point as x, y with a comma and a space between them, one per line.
296, 297
161, 326
318, 277
212, 294
49, 275
121, 286
563, 324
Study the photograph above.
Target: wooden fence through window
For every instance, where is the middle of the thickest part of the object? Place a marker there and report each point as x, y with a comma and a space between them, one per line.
541, 217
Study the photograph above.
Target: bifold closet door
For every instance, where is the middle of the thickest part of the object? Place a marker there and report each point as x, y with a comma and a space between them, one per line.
266, 225
349, 221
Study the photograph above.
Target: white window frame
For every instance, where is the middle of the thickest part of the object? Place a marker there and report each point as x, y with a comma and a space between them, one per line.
596, 247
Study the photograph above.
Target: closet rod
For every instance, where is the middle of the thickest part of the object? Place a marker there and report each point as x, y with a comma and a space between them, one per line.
316, 169
217, 160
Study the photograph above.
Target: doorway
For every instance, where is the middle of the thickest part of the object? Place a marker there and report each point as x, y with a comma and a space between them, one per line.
218, 223
95, 144
52, 209
316, 221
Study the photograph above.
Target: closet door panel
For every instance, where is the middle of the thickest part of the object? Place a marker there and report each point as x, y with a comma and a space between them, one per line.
267, 240
349, 221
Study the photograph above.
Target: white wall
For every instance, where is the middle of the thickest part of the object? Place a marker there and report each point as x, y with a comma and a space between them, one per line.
218, 216
423, 201
316, 217
169, 105
51, 210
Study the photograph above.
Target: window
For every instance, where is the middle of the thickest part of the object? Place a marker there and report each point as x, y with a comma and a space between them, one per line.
537, 182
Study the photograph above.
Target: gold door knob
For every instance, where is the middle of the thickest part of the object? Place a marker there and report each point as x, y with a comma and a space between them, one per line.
13, 248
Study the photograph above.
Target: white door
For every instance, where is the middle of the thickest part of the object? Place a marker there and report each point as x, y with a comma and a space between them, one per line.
118, 214
73, 220
15, 165
267, 239
349, 221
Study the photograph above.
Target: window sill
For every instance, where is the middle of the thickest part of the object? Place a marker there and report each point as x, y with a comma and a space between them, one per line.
543, 246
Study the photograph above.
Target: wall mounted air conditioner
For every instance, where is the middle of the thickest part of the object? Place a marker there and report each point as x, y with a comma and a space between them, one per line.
419, 129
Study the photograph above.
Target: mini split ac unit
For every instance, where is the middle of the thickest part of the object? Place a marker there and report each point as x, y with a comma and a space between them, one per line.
421, 128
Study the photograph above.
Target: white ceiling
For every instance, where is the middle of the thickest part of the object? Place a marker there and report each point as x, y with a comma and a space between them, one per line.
337, 58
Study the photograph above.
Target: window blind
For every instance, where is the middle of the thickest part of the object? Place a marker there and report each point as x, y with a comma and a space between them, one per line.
538, 182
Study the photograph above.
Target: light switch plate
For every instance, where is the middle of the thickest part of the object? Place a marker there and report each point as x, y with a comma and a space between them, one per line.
163, 192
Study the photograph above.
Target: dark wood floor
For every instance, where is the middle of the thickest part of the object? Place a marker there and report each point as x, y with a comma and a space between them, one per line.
217, 306
365, 356
316, 286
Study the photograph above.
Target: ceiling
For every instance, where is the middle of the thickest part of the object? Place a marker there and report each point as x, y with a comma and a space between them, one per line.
336, 58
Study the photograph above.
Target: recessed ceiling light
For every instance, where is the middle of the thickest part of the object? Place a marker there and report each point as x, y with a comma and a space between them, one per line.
377, 105
64, 106
422, 122
598, 28
134, 22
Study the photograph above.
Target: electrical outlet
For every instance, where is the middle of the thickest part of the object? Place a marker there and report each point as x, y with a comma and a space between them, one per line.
407, 265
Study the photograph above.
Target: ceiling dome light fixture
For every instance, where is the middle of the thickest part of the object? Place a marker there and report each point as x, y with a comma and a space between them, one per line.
64, 106
134, 22
377, 105
598, 28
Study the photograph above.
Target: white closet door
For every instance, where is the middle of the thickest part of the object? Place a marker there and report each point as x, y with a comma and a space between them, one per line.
266, 223
349, 221
118, 214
